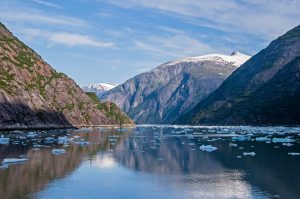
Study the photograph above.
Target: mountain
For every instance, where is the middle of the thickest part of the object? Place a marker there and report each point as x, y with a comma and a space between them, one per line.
99, 88
263, 91
34, 95
171, 89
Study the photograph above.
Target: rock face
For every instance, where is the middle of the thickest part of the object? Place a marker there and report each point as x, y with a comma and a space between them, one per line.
32, 94
171, 89
99, 88
263, 91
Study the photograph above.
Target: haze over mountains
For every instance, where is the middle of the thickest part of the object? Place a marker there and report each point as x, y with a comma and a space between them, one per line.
34, 95
173, 88
263, 91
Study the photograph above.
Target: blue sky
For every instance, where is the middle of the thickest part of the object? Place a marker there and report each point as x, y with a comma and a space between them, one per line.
112, 40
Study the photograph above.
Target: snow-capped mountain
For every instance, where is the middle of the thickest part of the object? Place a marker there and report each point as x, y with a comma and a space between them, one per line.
173, 88
235, 58
99, 88
265, 90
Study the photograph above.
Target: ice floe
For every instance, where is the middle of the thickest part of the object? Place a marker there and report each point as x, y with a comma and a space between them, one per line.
293, 153
58, 151
287, 144
4, 140
262, 139
249, 154
14, 160
208, 148
82, 143
276, 140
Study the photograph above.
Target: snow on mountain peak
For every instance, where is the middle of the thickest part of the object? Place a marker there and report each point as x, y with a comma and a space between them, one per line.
99, 88
103, 86
236, 58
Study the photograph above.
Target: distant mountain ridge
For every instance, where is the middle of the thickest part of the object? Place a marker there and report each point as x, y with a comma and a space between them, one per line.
173, 88
263, 91
34, 95
99, 88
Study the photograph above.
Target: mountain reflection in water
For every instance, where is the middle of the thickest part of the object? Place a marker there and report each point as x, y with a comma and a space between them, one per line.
164, 161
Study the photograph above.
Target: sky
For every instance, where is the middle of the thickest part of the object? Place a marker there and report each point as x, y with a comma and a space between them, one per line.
113, 40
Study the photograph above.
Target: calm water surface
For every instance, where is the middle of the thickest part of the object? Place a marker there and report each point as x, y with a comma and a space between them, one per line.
158, 162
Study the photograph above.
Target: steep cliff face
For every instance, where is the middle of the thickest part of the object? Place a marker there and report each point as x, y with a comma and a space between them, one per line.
263, 91
161, 95
32, 94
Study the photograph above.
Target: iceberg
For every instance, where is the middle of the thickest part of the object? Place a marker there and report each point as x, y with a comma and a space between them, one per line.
276, 140
233, 144
294, 153
208, 148
287, 144
82, 143
31, 134
249, 153
262, 139
58, 151
4, 140
13, 160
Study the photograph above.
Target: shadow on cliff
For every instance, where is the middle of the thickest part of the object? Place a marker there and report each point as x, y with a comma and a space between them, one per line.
20, 115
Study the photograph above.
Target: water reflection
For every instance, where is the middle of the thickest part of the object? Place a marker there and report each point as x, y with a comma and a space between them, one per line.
166, 161
22, 180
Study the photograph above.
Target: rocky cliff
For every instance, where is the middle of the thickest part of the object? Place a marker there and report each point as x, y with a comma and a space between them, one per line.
263, 91
32, 94
173, 88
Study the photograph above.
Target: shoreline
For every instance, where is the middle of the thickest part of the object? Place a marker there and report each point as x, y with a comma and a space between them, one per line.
10, 128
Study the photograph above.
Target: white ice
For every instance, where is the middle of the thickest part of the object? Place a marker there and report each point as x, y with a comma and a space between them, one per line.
58, 151
208, 148
249, 153
14, 160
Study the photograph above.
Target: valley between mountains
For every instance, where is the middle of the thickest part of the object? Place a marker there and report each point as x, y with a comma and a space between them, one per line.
212, 89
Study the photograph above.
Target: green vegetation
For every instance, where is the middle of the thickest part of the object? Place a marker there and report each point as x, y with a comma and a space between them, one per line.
109, 109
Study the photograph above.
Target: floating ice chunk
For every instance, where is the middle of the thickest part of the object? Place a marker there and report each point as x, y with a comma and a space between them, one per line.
262, 139
76, 136
233, 144
58, 151
63, 140
239, 156
212, 140
208, 148
241, 138
4, 140
294, 153
14, 160
31, 134
287, 144
249, 153
82, 143
36, 149
276, 140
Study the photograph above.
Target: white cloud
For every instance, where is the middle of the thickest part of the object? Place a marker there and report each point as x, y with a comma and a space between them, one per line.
267, 18
66, 38
46, 3
71, 39
33, 16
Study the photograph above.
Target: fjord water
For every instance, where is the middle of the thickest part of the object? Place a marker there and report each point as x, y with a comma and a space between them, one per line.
154, 162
